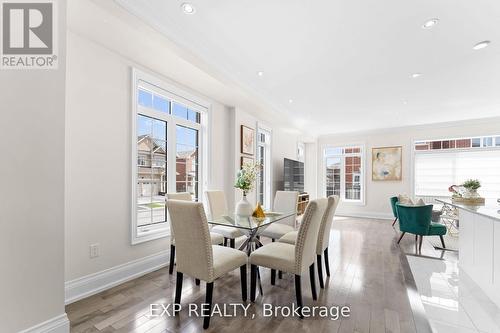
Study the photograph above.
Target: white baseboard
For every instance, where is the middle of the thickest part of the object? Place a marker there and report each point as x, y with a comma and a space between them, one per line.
95, 283
369, 215
59, 324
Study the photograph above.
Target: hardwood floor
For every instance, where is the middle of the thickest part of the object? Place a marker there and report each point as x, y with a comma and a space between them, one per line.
367, 274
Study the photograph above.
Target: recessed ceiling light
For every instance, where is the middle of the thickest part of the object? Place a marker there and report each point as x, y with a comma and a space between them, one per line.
430, 23
481, 45
290, 101
415, 75
187, 8
260, 73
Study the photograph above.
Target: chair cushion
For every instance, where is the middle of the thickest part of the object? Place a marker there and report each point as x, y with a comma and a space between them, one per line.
216, 238
226, 260
228, 232
437, 229
280, 256
276, 230
289, 237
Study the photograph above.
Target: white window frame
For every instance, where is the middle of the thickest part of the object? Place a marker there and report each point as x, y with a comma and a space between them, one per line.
362, 200
268, 172
174, 94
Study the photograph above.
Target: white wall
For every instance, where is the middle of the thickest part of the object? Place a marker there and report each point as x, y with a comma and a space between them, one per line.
377, 192
98, 155
98, 138
32, 193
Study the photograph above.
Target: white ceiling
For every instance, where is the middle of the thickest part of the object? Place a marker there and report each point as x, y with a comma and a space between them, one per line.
346, 63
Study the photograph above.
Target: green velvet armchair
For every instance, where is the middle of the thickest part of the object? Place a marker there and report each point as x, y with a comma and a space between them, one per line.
394, 200
417, 220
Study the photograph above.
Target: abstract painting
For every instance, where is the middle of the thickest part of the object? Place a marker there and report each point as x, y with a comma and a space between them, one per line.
247, 140
386, 163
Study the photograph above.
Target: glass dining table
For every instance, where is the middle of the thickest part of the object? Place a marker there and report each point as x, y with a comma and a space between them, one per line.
249, 226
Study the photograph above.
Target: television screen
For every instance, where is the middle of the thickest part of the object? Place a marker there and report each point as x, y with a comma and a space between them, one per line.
293, 175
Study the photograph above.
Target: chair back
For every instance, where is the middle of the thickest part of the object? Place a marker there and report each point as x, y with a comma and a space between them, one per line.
307, 238
414, 219
177, 196
326, 224
394, 200
284, 202
192, 239
186, 196
216, 203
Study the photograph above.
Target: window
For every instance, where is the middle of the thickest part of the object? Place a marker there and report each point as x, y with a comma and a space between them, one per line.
344, 172
166, 154
264, 158
477, 158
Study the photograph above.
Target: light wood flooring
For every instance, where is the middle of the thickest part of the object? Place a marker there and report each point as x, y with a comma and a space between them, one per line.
367, 274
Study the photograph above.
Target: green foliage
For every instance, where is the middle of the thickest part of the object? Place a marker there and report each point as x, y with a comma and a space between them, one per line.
245, 178
472, 184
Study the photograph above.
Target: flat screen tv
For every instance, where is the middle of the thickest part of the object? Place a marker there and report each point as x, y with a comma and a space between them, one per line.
293, 175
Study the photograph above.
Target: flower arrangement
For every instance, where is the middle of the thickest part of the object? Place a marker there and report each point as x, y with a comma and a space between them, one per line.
245, 178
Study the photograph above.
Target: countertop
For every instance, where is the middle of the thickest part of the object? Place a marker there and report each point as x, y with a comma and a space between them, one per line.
490, 209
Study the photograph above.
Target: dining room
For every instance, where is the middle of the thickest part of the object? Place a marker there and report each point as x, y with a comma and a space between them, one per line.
232, 166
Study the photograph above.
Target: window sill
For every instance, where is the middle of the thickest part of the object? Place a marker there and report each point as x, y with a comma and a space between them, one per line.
151, 234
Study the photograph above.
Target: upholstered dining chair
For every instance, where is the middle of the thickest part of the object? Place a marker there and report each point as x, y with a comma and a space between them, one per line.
417, 220
215, 237
197, 257
284, 202
323, 237
294, 259
218, 207
393, 201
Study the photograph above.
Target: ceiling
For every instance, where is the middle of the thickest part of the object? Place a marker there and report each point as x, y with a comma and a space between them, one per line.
346, 64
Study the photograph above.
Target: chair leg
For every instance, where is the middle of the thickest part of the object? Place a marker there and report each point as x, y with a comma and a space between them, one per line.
253, 282
272, 240
225, 241
273, 277
320, 271
298, 294
327, 265
197, 282
420, 244
401, 237
208, 300
172, 257
442, 241
232, 242
178, 288
280, 275
243, 277
313, 282
393, 223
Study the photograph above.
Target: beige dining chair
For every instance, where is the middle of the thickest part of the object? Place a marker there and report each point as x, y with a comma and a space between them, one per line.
197, 257
215, 237
217, 205
323, 237
294, 259
284, 202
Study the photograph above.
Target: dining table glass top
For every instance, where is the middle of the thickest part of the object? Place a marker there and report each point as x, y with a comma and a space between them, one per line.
248, 223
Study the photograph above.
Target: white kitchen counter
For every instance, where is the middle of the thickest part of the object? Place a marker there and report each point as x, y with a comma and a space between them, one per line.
479, 245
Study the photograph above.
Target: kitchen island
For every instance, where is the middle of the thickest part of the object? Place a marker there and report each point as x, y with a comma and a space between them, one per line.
479, 245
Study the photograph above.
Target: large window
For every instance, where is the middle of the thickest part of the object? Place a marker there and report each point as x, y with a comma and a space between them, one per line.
441, 163
167, 135
344, 172
264, 158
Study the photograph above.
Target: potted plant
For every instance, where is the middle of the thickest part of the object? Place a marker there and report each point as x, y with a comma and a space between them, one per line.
471, 186
245, 181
